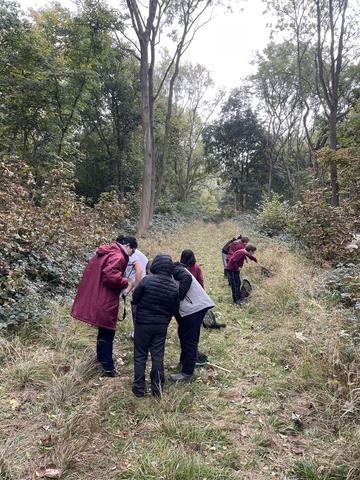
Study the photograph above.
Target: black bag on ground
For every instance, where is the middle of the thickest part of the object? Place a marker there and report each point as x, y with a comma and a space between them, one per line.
265, 272
245, 289
209, 321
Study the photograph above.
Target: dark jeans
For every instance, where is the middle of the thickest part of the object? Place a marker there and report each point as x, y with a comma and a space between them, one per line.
104, 348
189, 335
235, 282
149, 338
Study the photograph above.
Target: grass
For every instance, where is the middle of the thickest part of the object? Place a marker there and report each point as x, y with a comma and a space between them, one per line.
285, 351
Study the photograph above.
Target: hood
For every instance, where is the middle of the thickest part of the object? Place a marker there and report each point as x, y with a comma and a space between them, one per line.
162, 264
178, 264
109, 248
178, 268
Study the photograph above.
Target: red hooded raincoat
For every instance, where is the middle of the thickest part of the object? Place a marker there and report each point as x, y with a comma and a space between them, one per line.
97, 298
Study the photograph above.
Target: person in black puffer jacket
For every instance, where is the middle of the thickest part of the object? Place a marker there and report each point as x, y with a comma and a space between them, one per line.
157, 300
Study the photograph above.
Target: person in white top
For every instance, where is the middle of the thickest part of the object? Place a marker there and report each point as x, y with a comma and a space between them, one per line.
135, 272
136, 269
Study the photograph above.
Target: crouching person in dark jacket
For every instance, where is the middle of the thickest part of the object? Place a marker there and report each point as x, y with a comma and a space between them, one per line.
157, 300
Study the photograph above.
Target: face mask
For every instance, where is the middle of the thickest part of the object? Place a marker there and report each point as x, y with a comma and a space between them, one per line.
129, 250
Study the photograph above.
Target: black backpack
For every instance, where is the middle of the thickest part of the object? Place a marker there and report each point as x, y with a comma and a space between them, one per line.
245, 289
209, 321
225, 248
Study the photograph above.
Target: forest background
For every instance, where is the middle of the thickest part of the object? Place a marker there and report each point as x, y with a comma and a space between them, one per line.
105, 128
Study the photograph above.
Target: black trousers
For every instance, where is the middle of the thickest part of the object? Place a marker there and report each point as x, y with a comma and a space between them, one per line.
149, 338
189, 334
235, 282
104, 348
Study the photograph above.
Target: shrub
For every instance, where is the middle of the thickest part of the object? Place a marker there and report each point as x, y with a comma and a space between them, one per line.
209, 205
273, 215
342, 284
47, 233
325, 230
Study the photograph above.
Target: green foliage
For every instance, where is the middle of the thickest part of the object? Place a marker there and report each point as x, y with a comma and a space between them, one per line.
186, 164
169, 463
70, 96
46, 235
309, 471
209, 204
273, 215
342, 284
325, 230
234, 146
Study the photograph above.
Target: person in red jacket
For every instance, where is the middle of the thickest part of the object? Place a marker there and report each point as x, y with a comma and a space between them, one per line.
239, 244
98, 295
189, 261
234, 266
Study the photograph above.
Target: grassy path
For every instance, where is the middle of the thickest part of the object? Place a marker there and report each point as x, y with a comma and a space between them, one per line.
280, 413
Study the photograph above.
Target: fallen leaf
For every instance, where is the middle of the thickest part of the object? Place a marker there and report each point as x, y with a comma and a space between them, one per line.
297, 420
53, 473
298, 449
300, 336
14, 404
50, 471
47, 441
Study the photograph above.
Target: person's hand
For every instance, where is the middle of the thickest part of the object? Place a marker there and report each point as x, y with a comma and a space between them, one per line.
130, 288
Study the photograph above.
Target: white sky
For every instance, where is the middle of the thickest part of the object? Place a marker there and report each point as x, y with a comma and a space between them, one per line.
225, 45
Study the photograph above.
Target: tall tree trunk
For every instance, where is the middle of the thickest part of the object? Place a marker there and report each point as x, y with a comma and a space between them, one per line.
335, 200
152, 123
143, 30
165, 150
270, 179
330, 86
115, 161
146, 199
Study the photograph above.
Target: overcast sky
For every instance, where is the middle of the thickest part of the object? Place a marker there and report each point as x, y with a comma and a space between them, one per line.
225, 45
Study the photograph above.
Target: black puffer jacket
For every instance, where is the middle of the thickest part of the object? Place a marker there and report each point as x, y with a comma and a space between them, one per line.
182, 275
157, 295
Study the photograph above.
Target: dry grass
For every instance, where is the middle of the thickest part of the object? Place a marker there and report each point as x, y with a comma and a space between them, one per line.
289, 355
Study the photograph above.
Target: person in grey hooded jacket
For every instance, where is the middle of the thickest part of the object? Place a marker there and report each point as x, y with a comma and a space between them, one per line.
194, 303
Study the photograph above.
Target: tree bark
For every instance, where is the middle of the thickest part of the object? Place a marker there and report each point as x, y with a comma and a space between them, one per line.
335, 200
143, 31
330, 86
145, 211
270, 180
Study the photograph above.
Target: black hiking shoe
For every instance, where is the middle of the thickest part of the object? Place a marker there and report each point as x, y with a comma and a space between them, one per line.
138, 393
111, 373
181, 377
201, 360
